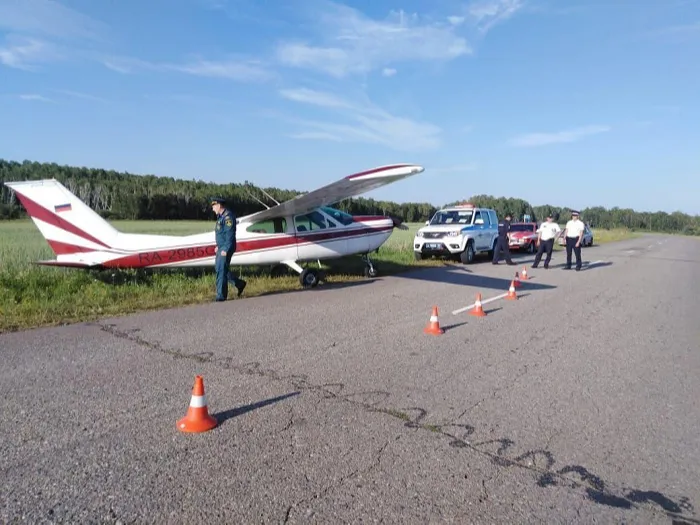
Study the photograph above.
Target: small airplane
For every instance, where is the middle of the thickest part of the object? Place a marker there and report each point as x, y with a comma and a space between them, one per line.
301, 229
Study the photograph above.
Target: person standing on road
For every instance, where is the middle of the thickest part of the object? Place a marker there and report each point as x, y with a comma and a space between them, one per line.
574, 234
502, 242
225, 248
546, 233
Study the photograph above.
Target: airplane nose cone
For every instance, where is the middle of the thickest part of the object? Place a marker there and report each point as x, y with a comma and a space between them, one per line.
398, 223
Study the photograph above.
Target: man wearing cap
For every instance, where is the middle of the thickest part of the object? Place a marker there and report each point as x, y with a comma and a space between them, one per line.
225, 248
546, 233
502, 242
574, 234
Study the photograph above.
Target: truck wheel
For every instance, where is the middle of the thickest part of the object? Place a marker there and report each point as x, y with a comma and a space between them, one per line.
417, 255
467, 256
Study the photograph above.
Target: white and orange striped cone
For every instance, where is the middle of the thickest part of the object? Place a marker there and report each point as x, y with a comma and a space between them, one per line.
524, 274
516, 281
477, 311
511, 292
433, 327
197, 418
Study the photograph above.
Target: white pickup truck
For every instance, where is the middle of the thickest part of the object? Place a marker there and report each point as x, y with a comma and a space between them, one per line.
458, 231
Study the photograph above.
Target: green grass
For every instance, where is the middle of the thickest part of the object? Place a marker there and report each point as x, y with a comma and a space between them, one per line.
32, 296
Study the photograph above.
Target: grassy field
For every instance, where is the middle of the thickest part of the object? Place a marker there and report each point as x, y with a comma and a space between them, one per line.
32, 296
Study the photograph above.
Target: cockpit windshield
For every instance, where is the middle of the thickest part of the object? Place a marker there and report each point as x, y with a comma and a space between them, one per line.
340, 216
452, 217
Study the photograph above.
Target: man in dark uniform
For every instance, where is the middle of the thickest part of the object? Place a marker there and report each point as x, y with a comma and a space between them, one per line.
502, 242
225, 248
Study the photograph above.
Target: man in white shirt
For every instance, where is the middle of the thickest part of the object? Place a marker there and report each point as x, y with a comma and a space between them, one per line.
574, 234
546, 233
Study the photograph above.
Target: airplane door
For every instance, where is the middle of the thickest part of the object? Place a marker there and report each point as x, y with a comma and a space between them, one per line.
318, 237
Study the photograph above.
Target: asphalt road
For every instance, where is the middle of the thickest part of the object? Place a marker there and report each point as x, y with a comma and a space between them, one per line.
576, 403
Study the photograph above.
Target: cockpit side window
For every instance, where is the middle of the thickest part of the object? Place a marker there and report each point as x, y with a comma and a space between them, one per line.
310, 221
340, 216
269, 226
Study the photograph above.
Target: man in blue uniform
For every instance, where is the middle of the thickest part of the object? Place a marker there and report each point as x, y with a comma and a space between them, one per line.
225, 248
502, 242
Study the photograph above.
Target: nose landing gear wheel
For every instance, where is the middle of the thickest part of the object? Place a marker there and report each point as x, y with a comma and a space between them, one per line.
370, 271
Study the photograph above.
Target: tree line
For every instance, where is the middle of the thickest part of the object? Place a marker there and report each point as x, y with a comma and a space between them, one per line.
121, 195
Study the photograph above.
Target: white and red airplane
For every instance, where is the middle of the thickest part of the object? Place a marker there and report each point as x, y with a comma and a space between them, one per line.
299, 230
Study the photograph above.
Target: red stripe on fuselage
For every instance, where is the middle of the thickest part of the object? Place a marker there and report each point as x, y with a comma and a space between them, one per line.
367, 218
39, 212
177, 255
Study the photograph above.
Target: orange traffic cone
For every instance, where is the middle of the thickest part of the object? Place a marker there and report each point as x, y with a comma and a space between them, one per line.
477, 311
511, 292
525, 277
516, 281
433, 327
197, 418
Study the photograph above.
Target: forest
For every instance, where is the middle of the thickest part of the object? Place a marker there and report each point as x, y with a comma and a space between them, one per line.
120, 195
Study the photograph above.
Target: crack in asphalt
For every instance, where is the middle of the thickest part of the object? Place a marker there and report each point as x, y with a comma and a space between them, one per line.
594, 488
322, 493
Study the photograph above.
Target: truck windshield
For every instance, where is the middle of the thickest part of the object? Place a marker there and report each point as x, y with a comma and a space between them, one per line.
452, 217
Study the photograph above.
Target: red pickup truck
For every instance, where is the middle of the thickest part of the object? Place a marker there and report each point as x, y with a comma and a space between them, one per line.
523, 236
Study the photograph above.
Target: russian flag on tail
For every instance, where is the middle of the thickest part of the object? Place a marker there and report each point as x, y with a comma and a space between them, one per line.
62, 207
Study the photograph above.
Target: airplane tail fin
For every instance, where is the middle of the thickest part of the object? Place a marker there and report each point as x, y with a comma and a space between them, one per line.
67, 223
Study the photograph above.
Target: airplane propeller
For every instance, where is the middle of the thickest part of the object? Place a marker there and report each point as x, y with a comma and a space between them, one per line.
398, 223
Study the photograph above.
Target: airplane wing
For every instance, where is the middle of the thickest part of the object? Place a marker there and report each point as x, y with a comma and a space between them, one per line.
349, 186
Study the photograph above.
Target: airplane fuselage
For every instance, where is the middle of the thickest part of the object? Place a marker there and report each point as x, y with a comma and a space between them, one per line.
318, 235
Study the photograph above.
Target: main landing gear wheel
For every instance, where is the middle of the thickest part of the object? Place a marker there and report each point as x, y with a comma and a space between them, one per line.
309, 278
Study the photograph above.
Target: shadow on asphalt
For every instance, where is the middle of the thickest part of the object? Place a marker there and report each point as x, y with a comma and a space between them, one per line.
458, 276
239, 411
585, 265
323, 286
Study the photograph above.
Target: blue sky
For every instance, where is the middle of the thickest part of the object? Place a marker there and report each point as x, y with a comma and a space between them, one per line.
574, 103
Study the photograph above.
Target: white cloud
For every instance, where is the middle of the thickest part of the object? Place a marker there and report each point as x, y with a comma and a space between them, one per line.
25, 53
350, 42
78, 94
50, 18
32, 96
36, 26
388, 71
363, 122
233, 69
488, 13
316, 135
570, 135
316, 98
